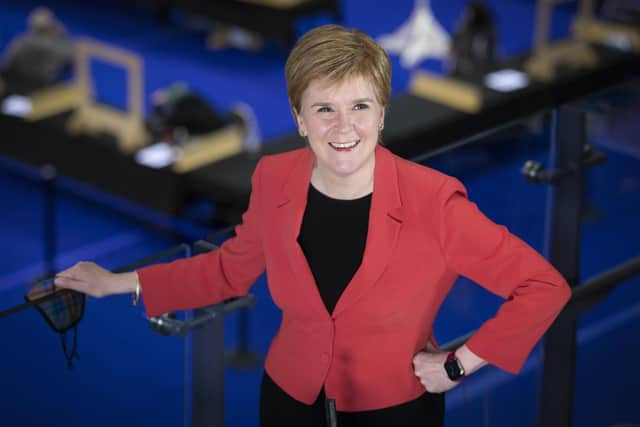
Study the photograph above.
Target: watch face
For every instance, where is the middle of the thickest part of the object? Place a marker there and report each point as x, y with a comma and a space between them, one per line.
453, 370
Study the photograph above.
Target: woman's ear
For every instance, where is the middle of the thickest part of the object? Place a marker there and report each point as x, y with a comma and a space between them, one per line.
302, 129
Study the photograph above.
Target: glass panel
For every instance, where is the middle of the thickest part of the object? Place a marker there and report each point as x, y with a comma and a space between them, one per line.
606, 381
490, 169
126, 373
492, 397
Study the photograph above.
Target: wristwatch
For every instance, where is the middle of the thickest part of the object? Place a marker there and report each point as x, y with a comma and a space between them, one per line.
453, 367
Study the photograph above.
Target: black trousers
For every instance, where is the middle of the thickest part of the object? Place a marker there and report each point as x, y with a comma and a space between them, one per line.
278, 409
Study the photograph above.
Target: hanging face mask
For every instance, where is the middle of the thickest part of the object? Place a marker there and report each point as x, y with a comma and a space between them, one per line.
62, 309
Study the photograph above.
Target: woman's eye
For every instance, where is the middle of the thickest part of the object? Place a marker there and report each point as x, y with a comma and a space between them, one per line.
324, 110
360, 106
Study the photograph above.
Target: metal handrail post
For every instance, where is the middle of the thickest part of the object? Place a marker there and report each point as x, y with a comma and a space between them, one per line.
563, 248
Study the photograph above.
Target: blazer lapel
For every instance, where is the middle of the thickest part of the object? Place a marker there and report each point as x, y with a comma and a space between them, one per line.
385, 221
291, 211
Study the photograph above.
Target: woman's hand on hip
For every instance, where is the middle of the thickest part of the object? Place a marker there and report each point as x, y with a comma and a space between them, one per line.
429, 368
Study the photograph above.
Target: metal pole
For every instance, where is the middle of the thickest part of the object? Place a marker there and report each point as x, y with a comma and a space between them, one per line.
48, 175
242, 357
563, 247
208, 372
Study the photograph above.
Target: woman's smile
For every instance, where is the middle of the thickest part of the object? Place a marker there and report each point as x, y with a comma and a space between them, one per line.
344, 146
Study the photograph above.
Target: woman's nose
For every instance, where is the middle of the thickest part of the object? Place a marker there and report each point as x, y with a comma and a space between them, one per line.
345, 121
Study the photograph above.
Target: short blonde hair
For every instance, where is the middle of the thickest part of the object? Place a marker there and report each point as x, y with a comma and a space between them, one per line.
333, 53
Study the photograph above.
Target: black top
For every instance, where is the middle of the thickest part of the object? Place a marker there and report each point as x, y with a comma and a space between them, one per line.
333, 237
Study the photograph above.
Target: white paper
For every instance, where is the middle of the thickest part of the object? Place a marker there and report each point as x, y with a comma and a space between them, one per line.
506, 80
158, 155
16, 105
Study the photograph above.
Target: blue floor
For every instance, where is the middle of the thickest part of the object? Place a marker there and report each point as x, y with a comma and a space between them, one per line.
129, 375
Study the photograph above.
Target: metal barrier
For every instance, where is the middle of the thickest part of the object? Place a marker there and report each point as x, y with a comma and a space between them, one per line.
207, 328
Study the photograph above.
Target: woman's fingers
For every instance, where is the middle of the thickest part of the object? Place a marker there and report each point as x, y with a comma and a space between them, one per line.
85, 277
429, 368
68, 282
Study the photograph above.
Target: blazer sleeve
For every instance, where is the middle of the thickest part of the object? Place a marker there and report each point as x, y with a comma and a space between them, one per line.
491, 256
214, 276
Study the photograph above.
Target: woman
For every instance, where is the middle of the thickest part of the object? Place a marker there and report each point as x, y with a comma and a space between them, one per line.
360, 248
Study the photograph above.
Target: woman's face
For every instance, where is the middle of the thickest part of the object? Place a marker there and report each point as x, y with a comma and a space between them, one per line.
342, 121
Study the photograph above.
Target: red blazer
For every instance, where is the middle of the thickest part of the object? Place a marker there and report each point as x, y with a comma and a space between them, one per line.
423, 233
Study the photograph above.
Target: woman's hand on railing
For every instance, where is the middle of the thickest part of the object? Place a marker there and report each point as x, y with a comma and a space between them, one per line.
429, 368
91, 279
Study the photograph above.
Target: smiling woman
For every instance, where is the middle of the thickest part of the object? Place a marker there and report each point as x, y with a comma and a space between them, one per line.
360, 248
342, 122
338, 83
